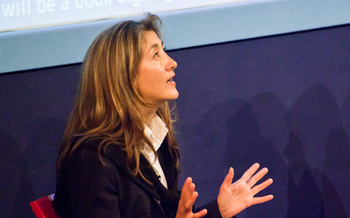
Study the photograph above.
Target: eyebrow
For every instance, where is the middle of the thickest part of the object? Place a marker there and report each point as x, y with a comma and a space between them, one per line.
155, 45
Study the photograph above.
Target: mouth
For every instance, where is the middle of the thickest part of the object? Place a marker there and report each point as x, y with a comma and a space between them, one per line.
170, 80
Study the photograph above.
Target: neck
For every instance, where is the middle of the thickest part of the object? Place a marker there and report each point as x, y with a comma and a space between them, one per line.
148, 114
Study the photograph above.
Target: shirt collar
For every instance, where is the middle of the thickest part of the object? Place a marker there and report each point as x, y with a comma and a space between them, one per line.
156, 131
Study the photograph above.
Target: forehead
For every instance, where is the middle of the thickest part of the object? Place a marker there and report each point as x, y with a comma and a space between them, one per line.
151, 39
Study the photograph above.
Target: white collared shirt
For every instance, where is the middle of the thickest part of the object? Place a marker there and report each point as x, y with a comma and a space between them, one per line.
156, 133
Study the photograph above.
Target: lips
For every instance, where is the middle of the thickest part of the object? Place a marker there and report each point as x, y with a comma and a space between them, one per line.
171, 80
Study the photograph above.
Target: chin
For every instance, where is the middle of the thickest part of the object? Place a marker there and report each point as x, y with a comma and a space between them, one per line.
175, 96
172, 95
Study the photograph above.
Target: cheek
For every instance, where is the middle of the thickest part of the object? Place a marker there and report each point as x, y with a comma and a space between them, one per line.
151, 79
147, 84
151, 76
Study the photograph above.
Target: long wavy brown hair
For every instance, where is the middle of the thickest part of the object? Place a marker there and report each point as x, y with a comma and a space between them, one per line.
109, 104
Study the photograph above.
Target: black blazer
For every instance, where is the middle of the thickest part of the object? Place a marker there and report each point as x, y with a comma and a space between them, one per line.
89, 189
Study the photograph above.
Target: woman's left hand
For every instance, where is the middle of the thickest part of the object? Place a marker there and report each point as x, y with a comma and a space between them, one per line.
234, 198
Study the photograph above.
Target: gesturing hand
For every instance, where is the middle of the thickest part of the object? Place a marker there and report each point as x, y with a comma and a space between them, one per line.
187, 199
233, 198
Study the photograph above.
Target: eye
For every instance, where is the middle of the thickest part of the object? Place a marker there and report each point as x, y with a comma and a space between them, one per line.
156, 55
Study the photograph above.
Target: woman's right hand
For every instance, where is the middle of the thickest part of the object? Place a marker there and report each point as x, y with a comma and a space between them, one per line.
187, 199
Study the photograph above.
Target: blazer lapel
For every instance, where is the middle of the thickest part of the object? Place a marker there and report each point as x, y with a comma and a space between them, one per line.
168, 197
116, 154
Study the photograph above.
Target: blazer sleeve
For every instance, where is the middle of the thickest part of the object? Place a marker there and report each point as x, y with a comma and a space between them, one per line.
212, 208
93, 187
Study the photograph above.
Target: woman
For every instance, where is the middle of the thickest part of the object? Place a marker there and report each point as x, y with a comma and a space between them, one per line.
119, 156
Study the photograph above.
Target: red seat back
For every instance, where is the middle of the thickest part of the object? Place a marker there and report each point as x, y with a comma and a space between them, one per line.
43, 207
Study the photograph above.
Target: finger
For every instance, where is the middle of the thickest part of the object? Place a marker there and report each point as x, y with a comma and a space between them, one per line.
229, 177
246, 176
186, 206
260, 200
186, 192
188, 182
190, 202
256, 189
187, 189
201, 213
259, 175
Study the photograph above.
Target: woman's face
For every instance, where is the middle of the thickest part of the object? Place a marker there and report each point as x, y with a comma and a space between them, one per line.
156, 72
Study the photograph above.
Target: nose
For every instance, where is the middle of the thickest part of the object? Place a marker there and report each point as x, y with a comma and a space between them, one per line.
171, 64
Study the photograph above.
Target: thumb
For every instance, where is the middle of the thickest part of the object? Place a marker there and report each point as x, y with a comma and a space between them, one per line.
229, 177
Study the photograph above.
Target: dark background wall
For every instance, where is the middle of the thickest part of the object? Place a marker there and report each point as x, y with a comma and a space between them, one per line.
282, 101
